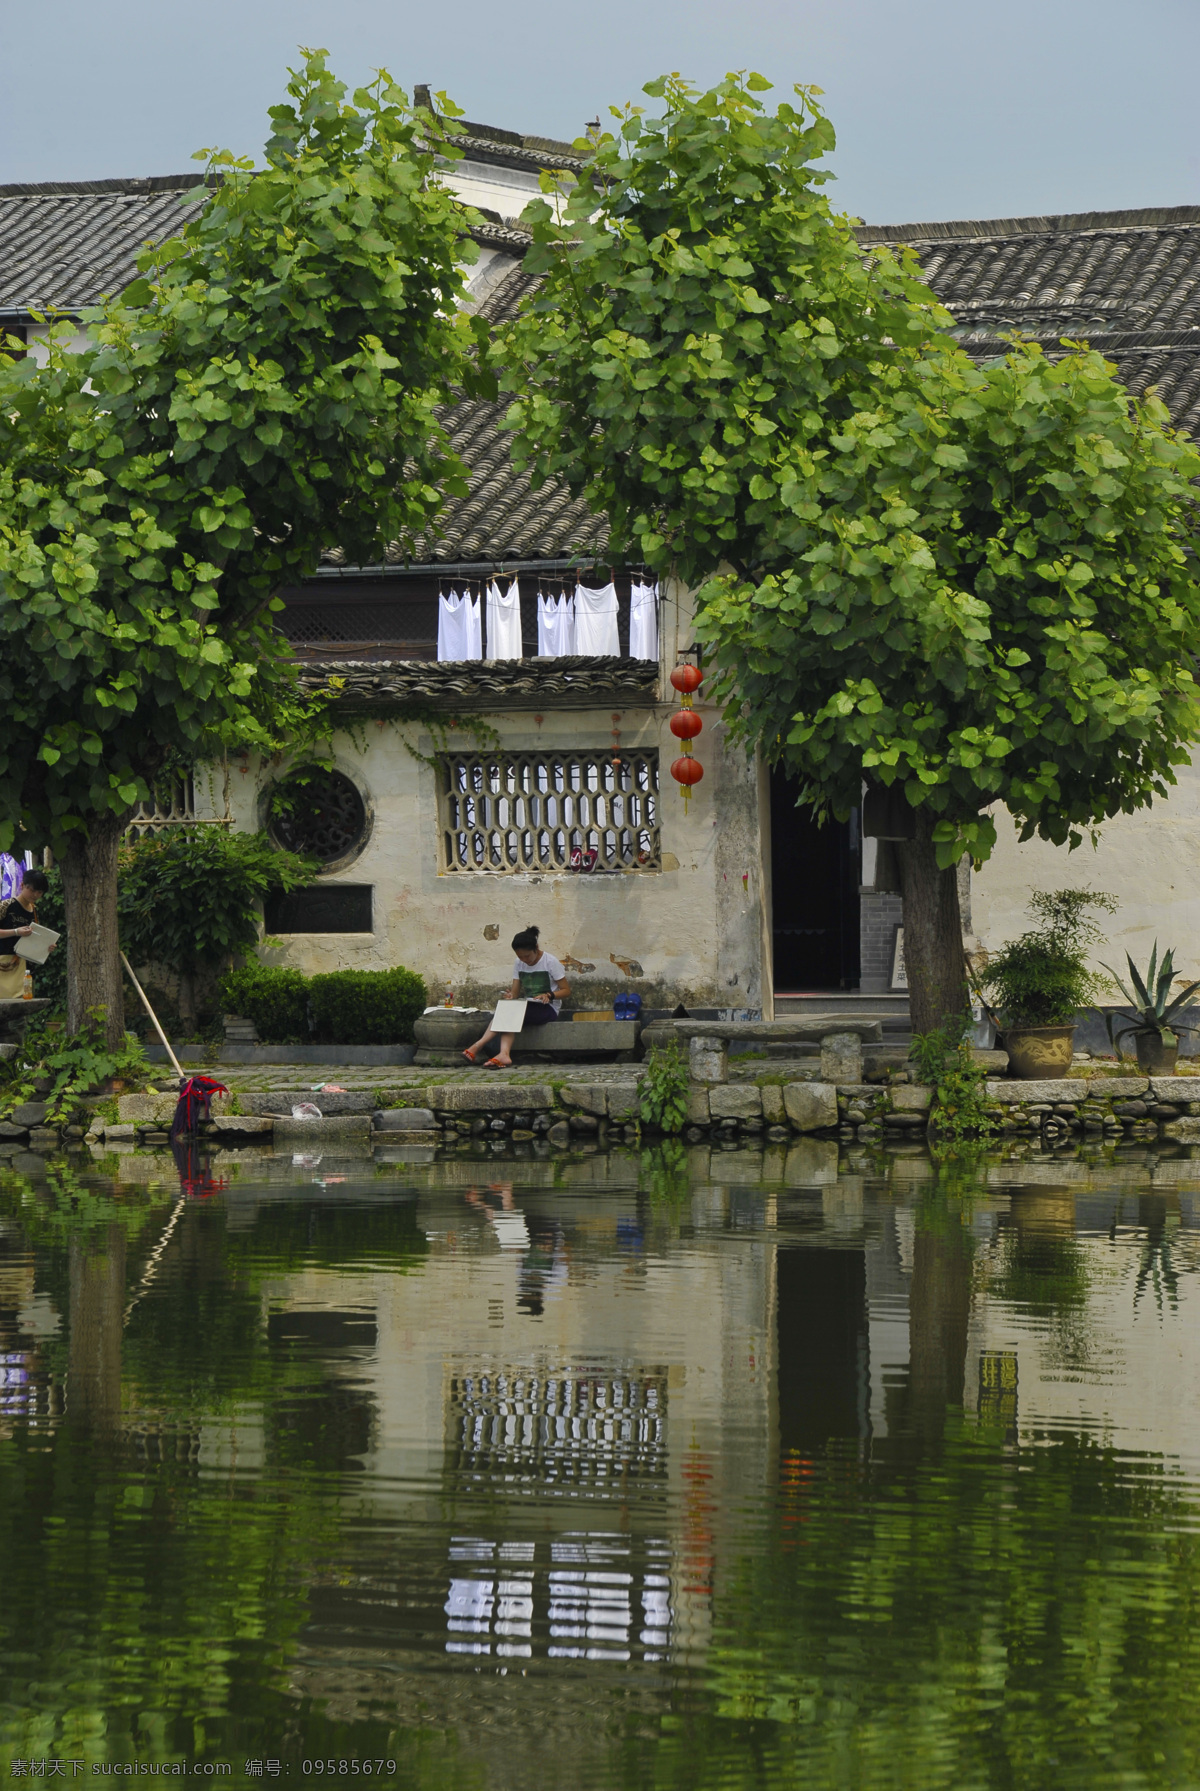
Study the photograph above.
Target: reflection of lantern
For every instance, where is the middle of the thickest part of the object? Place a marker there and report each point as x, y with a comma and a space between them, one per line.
685, 725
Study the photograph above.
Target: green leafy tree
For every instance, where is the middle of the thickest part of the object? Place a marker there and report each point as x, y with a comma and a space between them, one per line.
194, 901
267, 387
967, 584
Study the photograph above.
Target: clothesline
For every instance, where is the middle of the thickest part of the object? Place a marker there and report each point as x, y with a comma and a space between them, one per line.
583, 621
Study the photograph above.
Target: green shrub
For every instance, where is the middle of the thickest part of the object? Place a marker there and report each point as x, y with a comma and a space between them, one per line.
1042, 978
366, 1007
275, 999
193, 898
663, 1091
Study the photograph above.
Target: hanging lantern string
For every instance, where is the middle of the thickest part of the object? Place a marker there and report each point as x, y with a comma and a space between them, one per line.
685, 724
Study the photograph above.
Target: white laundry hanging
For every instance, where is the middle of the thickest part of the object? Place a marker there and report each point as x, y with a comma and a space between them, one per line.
556, 626
596, 620
643, 620
459, 633
504, 621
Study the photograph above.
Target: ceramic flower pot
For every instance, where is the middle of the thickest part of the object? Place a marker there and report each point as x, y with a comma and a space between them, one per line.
1039, 1053
1155, 1057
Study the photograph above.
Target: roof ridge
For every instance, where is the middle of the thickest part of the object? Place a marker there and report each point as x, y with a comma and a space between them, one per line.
1049, 224
149, 183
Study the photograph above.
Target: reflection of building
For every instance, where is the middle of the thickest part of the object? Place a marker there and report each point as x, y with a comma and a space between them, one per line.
565, 1432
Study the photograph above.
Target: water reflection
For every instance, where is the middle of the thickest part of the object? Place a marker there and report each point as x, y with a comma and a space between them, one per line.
688, 1469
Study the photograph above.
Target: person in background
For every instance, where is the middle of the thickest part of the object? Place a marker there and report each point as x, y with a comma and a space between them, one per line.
17, 919
533, 967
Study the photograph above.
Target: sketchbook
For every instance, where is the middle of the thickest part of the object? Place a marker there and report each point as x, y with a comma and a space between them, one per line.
509, 1016
37, 947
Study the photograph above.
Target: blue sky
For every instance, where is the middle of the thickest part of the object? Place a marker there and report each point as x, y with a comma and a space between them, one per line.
942, 110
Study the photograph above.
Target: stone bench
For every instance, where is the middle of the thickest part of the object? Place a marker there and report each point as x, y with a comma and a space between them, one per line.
840, 1037
442, 1040
15, 1015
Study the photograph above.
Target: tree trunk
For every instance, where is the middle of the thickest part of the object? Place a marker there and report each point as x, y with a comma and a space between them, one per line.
89, 874
933, 948
187, 1002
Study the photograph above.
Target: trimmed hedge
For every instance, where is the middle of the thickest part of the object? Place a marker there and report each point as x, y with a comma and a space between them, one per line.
365, 1007
276, 1000
341, 1007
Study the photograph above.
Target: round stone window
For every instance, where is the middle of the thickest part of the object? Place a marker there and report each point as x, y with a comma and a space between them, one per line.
319, 814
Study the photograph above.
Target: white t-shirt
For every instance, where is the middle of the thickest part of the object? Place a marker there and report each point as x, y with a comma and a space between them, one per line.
551, 966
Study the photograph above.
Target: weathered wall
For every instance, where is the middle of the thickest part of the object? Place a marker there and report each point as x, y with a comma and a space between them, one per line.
1149, 861
696, 928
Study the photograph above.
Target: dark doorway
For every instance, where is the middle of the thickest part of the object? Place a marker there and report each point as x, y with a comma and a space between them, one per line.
815, 876
821, 1307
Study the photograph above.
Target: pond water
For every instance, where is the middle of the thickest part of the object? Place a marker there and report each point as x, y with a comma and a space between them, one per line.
649, 1470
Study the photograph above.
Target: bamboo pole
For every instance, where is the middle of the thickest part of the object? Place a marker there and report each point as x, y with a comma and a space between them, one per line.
179, 1071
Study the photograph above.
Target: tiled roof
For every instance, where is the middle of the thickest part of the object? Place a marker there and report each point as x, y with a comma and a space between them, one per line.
502, 517
567, 683
68, 244
1127, 281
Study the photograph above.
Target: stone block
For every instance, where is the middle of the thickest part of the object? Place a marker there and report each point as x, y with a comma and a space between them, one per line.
811, 1106
565, 1039
773, 1109
697, 1107
1010, 1092
735, 1101
708, 1060
43, 1138
841, 1057
1164, 1088
448, 1031
242, 1125
489, 1097
586, 1097
339, 1128
119, 1134
8, 1130
142, 1109
1118, 1088
29, 1113
584, 1122
403, 1119
559, 1134
911, 1097
624, 1101
1184, 1131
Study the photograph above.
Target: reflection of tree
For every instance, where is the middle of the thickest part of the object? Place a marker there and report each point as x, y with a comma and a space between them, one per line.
96, 1321
151, 1604
970, 1618
1042, 1269
939, 1312
1156, 1270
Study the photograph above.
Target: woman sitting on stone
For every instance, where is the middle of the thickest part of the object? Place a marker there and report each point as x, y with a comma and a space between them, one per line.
542, 980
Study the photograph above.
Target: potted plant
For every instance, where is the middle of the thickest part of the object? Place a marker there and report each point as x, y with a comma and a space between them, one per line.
1040, 981
1153, 1024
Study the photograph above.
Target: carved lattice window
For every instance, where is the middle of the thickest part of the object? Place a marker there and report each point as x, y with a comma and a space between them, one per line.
319, 814
549, 811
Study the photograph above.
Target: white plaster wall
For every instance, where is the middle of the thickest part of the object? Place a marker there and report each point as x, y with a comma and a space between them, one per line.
35, 340
1150, 861
696, 927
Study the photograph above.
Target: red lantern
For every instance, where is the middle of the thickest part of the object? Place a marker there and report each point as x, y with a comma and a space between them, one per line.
687, 772
686, 725
687, 678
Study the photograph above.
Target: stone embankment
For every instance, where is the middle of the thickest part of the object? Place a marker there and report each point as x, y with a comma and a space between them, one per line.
753, 1104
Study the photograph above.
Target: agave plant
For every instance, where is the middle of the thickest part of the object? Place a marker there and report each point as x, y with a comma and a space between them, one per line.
1152, 1013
